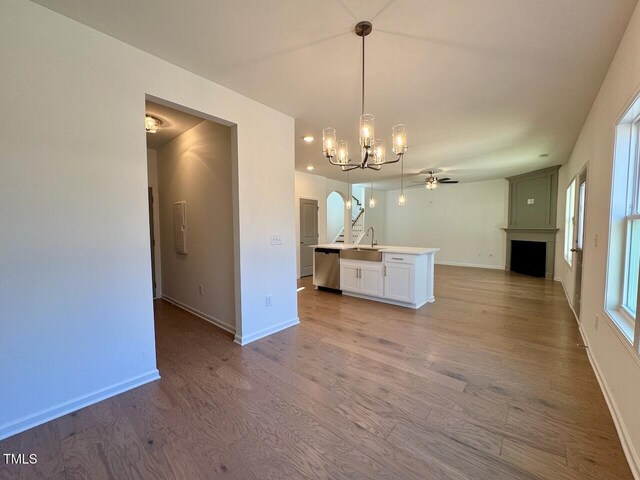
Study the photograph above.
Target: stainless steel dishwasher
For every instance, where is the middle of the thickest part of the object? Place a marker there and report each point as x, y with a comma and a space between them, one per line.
326, 268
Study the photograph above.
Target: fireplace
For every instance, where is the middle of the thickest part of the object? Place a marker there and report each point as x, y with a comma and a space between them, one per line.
531, 230
529, 258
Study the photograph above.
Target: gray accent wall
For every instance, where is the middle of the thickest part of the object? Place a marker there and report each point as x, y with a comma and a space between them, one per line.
533, 199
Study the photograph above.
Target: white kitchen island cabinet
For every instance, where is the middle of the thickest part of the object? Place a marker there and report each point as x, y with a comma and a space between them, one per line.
402, 276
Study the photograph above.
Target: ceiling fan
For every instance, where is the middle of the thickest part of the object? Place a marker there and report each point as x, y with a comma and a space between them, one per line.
431, 182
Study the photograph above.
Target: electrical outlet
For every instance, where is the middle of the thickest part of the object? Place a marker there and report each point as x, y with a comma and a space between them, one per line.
268, 300
531, 201
276, 239
201, 289
596, 318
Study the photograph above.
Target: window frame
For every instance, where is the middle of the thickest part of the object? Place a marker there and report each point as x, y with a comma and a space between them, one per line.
625, 208
569, 221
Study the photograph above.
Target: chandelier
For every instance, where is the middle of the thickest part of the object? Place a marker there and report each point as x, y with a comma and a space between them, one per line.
372, 150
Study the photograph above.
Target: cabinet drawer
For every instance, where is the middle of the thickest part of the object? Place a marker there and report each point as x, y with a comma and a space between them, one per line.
399, 258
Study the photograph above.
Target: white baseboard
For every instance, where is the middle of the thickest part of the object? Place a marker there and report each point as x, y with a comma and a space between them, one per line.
25, 423
629, 451
472, 265
246, 339
218, 323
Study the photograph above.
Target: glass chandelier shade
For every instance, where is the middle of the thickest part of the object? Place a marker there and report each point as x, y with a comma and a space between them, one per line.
378, 151
366, 130
342, 158
402, 200
329, 143
399, 135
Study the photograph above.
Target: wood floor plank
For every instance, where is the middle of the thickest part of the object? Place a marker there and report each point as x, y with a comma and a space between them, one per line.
485, 383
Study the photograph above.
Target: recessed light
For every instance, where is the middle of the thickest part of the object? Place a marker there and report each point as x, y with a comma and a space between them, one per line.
543, 155
308, 138
310, 167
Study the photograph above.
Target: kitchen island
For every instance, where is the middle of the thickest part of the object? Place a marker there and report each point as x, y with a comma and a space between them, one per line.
400, 276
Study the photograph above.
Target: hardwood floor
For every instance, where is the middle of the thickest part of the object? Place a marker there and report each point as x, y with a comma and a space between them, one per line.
486, 383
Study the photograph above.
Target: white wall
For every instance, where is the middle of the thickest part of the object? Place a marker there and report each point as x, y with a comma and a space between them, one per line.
196, 167
375, 217
152, 178
615, 363
75, 279
463, 220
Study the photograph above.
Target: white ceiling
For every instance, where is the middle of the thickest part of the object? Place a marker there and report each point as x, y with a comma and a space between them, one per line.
484, 86
174, 123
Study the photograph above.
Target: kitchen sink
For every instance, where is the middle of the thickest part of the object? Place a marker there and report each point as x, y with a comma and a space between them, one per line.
368, 254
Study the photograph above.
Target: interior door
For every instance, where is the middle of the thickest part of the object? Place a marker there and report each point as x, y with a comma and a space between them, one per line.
581, 196
308, 234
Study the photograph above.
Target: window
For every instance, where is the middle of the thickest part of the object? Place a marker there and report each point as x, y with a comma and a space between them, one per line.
569, 221
623, 266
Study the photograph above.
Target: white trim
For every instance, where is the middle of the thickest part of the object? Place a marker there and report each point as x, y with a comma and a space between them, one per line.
246, 339
218, 323
472, 265
25, 423
633, 459
632, 456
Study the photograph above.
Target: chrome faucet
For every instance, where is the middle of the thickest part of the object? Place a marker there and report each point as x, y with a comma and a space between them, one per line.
373, 234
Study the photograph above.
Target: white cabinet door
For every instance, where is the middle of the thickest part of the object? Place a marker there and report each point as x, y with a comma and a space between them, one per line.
371, 280
349, 278
398, 282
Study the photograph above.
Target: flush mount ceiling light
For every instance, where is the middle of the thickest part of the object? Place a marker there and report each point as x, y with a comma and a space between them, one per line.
152, 124
308, 138
310, 167
372, 150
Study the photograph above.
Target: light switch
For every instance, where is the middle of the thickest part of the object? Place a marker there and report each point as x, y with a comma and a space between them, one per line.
531, 201
276, 239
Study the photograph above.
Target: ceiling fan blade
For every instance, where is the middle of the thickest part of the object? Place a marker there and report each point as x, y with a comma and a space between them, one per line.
448, 181
443, 179
421, 185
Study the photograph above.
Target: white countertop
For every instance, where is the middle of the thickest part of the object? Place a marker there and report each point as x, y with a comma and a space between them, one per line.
381, 248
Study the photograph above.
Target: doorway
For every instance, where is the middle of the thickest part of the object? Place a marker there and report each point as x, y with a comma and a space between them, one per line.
578, 242
335, 218
190, 166
308, 234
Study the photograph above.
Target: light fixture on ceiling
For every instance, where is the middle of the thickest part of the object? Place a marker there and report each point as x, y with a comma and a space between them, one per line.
372, 150
372, 198
310, 167
431, 183
152, 124
308, 138
402, 199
